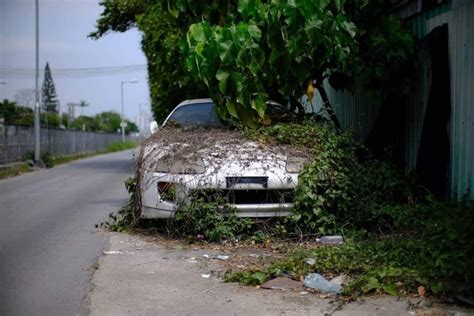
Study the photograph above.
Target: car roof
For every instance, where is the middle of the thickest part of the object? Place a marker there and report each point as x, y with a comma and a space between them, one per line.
205, 101
194, 101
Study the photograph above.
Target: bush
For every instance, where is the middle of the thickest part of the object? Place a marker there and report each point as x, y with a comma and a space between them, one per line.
209, 218
119, 146
336, 189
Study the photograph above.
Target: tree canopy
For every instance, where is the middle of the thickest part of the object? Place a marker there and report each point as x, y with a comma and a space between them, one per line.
242, 53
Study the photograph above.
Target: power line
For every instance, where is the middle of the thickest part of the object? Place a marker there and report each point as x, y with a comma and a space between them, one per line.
73, 72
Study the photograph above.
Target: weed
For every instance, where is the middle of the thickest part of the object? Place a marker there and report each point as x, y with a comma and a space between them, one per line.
119, 146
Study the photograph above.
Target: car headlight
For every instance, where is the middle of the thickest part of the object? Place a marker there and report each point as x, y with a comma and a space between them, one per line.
180, 166
295, 164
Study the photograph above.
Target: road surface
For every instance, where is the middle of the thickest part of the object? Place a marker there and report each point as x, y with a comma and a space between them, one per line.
48, 243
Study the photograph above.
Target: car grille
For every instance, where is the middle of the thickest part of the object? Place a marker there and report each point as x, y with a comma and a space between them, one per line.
246, 196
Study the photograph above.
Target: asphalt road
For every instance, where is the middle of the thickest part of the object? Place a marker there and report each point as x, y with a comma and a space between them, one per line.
48, 243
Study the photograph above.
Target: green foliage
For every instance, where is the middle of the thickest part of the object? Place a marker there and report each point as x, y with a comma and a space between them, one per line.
46, 157
85, 123
270, 50
119, 146
49, 98
211, 218
242, 53
432, 245
16, 115
124, 219
14, 169
335, 189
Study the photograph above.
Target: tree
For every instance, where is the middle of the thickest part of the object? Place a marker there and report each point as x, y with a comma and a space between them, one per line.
85, 123
131, 127
108, 122
16, 115
25, 97
242, 53
49, 97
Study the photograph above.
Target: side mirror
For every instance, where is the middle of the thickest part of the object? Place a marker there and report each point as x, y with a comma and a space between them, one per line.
154, 127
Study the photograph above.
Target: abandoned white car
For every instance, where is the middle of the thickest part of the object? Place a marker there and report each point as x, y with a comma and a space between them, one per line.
194, 152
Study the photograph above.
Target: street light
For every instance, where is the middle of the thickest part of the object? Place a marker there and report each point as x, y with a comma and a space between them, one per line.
122, 123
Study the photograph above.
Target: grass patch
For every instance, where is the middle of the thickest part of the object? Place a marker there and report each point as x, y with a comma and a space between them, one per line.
119, 146
430, 245
14, 170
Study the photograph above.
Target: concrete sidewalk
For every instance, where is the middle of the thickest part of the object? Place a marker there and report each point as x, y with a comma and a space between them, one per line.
140, 277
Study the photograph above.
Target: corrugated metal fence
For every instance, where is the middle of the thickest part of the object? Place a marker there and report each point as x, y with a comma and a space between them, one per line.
460, 20
17, 141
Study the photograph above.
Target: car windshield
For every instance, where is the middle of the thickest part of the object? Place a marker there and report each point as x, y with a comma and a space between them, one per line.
196, 114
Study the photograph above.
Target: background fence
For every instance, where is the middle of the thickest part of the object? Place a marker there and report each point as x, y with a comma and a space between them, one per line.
17, 141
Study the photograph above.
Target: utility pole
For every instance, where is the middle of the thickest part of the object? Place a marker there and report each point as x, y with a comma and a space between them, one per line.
37, 102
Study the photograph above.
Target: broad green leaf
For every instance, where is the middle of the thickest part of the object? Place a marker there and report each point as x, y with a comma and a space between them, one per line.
231, 108
254, 31
390, 289
196, 32
258, 103
372, 284
223, 78
350, 28
225, 51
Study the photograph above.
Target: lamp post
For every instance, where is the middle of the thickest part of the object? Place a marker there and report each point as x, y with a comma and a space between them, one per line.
122, 123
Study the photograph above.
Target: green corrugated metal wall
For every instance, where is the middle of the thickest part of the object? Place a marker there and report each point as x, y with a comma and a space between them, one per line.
359, 112
460, 22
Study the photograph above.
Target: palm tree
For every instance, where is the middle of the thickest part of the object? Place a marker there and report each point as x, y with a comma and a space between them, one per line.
83, 104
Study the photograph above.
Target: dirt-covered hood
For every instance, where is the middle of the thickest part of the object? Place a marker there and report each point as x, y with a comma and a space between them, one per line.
197, 151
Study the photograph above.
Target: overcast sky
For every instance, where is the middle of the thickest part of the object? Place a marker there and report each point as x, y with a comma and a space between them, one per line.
64, 26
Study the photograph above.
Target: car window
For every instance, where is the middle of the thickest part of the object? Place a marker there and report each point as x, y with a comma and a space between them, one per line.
197, 114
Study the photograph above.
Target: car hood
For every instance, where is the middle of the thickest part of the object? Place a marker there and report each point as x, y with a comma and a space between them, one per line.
214, 150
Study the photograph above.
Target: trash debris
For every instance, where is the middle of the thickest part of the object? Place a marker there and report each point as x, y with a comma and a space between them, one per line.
206, 276
318, 282
207, 256
113, 252
341, 280
311, 261
200, 237
254, 255
330, 240
421, 291
282, 283
222, 257
304, 293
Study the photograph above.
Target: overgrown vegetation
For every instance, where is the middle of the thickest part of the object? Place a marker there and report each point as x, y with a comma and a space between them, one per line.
208, 217
397, 237
429, 245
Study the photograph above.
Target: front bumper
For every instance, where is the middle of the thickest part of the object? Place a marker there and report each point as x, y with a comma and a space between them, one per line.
153, 206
